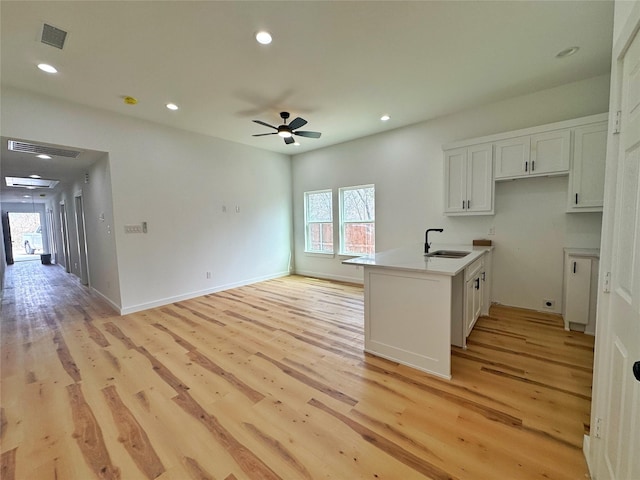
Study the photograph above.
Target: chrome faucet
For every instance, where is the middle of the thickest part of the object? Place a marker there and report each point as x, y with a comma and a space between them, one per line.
426, 238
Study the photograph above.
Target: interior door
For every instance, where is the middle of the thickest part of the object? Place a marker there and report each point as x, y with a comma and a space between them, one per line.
82, 240
64, 230
619, 459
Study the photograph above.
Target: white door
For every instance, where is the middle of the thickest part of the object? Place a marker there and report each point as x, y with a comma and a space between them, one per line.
618, 454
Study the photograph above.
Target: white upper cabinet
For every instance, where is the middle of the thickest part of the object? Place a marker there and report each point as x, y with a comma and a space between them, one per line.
546, 153
550, 152
469, 180
586, 179
512, 157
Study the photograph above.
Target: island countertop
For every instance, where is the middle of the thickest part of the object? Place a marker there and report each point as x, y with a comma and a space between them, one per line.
412, 258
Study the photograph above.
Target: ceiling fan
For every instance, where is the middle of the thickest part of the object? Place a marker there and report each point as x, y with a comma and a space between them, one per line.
287, 131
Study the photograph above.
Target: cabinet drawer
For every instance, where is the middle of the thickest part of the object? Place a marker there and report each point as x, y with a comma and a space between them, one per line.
472, 270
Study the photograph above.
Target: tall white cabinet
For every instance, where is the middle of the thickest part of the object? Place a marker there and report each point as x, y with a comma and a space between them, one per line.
586, 177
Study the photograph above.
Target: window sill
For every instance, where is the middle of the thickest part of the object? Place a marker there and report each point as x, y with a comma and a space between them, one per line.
319, 254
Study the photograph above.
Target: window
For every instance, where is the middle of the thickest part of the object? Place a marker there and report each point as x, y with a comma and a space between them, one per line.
357, 220
318, 221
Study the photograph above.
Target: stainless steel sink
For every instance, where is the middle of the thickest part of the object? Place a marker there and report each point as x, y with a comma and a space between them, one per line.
447, 254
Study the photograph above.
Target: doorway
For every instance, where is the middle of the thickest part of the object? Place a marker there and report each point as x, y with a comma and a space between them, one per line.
25, 231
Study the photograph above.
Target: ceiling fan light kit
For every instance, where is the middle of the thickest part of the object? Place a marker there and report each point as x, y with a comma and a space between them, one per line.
286, 131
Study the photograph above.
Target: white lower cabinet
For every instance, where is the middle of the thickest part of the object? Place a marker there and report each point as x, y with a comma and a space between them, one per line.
474, 294
580, 289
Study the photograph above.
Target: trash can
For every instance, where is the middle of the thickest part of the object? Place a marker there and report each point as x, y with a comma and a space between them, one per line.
45, 258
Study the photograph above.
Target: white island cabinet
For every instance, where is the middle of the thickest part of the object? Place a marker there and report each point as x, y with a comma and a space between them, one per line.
414, 306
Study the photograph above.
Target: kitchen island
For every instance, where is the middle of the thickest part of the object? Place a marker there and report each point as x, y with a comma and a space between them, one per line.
416, 307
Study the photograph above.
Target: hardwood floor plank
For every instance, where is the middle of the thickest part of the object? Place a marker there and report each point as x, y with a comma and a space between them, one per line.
8, 465
133, 436
89, 436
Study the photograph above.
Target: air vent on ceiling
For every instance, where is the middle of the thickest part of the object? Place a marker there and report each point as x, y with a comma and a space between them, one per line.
30, 183
15, 146
53, 36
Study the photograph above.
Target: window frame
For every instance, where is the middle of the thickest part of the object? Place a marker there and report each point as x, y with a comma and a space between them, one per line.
342, 244
307, 223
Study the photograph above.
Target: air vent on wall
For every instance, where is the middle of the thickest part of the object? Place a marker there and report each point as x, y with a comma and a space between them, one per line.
53, 36
41, 149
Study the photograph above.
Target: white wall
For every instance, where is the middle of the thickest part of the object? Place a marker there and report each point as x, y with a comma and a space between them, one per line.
406, 166
176, 181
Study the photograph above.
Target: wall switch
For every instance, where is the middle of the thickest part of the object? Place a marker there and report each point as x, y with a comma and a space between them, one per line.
209, 275
492, 230
133, 229
224, 209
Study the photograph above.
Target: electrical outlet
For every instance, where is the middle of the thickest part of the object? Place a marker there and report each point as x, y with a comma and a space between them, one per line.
549, 304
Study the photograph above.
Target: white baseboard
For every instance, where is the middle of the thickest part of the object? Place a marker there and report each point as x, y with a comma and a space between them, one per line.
200, 293
586, 451
111, 303
325, 276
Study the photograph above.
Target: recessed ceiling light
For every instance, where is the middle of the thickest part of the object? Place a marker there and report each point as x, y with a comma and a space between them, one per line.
172, 106
567, 52
263, 37
385, 118
26, 196
44, 157
47, 68
30, 188
35, 176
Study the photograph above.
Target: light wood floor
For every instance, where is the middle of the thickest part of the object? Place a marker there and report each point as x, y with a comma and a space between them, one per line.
269, 381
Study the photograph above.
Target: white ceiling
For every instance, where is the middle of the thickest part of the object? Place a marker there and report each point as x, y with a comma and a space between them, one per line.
338, 64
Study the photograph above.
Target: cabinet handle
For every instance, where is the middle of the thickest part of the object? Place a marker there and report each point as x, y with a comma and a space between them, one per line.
533, 165
478, 283
463, 204
574, 266
484, 276
576, 198
468, 204
526, 166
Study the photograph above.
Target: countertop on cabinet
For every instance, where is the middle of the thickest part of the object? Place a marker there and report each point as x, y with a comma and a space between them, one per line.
583, 252
412, 258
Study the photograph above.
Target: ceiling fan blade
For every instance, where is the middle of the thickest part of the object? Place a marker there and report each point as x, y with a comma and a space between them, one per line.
265, 124
297, 123
263, 134
308, 134
288, 140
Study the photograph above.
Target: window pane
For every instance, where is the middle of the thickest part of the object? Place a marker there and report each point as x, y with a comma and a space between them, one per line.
358, 205
359, 238
318, 219
319, 208
320, 237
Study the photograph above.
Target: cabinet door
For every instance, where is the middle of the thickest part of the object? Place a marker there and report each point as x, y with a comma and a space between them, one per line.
512, 157
578, 290
550, 152
469, 293
455, 180
480, 179
586, 179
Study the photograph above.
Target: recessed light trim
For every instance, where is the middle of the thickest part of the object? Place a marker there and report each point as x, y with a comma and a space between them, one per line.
567, 52
44, 157
264, 38
35, 176
45, 67
385, 118
172, 106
